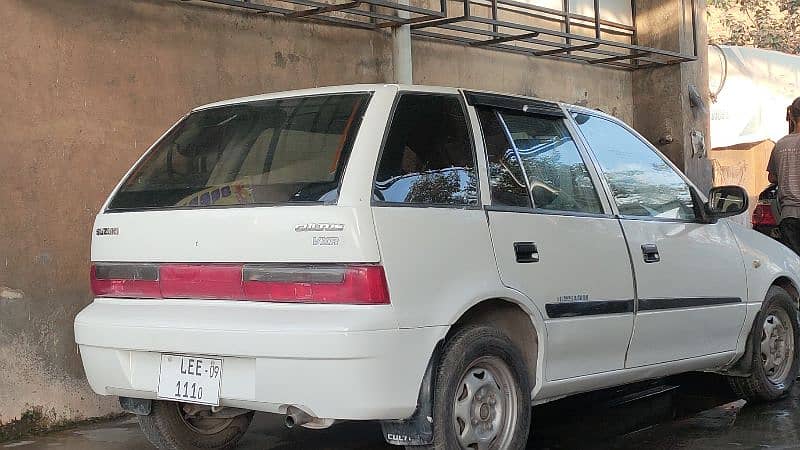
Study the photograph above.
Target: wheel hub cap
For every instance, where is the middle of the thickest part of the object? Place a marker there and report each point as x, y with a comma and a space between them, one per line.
485, 406
777, 346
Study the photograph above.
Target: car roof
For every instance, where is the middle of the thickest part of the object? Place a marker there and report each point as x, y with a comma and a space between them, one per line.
302, 93
379, 87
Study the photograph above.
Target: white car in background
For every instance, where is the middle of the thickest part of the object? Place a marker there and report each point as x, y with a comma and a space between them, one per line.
432, 258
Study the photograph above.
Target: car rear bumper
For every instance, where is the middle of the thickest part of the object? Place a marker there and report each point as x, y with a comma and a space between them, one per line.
332, 362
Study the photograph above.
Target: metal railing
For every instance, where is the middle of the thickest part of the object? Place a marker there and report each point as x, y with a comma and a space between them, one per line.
369, 14
506, 25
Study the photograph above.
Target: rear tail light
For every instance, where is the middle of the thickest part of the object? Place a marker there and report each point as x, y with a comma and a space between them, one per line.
334, 284
762, 216
222, 282
125, 280
353, 284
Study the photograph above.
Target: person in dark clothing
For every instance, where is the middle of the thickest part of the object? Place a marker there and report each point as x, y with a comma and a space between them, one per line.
784, 169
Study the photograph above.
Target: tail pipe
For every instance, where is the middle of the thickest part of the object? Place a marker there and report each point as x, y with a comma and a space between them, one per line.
296, 417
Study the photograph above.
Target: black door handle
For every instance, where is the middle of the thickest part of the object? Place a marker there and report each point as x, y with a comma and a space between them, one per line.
650, 253
526, 252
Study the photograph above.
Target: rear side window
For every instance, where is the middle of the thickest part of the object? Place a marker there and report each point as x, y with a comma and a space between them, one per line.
428, 157
506, 178
539, 152
289, 150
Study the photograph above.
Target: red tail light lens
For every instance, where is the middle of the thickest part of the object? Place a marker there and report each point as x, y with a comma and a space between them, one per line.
762, 216
350, 284
125, 280
334, 284
222, 282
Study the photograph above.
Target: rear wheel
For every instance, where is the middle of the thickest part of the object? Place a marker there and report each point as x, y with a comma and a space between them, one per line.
776, 355
181, 426
482, 393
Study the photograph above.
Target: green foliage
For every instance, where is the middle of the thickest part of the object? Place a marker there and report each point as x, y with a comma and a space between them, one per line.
769, 24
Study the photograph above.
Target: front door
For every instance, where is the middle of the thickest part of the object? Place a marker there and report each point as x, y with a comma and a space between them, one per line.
556, 241
690, 276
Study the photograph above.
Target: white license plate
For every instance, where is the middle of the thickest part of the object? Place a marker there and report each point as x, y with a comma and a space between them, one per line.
190, 379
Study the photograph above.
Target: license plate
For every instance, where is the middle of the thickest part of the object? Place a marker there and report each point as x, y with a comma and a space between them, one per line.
190, 379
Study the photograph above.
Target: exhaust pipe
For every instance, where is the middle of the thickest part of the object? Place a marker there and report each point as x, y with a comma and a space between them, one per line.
296, 417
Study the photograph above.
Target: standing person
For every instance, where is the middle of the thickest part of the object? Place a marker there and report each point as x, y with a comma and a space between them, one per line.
784, 169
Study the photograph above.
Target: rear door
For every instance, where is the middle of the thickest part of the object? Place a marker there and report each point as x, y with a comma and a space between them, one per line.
690, 276
554, 237
432, 232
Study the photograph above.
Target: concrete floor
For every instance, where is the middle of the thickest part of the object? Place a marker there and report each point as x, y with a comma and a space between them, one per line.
693, 416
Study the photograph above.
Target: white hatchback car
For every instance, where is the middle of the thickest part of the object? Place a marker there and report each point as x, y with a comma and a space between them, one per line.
433, 258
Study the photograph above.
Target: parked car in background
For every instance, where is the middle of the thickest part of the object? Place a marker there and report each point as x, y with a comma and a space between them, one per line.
767, 215
435, 259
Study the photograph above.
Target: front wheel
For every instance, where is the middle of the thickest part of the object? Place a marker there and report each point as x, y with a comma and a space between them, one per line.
181, 426
482, 394
776, 355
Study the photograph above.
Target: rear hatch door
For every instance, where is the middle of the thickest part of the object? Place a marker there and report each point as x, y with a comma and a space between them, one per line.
248, 182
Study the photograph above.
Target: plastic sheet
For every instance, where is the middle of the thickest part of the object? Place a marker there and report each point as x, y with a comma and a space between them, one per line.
754, 89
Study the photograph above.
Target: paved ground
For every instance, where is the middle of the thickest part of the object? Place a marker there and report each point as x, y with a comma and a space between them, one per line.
697, 415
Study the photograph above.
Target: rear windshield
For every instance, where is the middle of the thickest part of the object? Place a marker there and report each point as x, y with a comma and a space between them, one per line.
290, 150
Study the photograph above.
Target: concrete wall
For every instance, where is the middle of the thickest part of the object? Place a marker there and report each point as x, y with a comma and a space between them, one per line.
87, 85
662, 111
454, 65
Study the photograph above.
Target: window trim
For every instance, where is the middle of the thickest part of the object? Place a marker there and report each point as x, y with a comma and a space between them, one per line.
546, 212
513, 103
533, 209
693, 191
388, 128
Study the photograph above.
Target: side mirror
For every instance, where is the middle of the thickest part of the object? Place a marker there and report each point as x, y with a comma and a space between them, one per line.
726, 201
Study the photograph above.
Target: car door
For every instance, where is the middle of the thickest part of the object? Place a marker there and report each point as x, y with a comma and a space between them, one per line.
554, 237
690, 276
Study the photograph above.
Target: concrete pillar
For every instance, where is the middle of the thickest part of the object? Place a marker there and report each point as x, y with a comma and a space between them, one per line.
401, 50
662, 109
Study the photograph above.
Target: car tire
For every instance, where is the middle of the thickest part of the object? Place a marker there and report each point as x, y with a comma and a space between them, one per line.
167, 428
775, 350
481, 392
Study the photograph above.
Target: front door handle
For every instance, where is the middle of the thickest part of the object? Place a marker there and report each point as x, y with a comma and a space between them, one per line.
526, 252
650, 253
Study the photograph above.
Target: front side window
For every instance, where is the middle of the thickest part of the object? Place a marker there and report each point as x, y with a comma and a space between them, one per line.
290, 150
539, 150
642, 183
428, 158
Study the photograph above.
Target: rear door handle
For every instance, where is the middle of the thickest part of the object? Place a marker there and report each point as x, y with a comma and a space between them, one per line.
526, 252
650, 253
